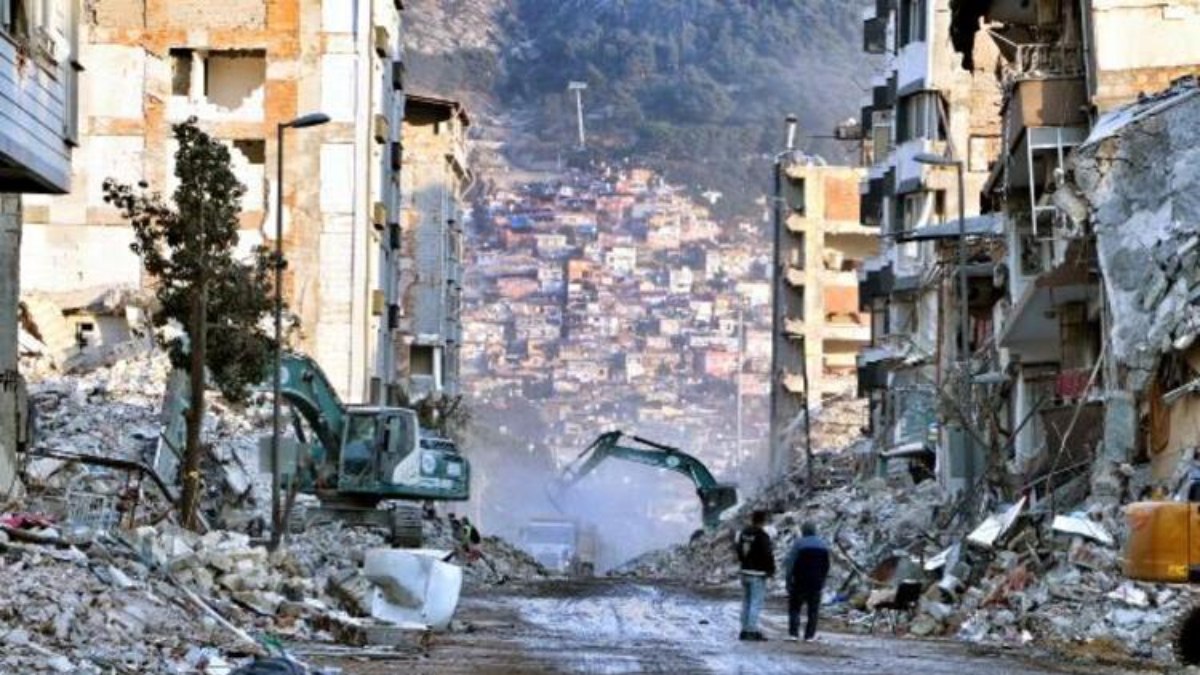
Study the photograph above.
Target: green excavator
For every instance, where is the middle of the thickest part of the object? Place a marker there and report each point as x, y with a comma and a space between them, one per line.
361, 462
715, 497
366, 455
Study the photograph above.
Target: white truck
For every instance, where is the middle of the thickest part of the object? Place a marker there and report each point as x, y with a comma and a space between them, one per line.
561, 545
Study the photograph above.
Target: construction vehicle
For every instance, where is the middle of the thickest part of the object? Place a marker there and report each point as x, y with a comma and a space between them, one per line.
363, 456
1163, 546
1164, 539
561, 545
715, 498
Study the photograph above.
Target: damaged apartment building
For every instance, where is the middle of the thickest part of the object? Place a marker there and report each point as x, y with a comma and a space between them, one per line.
40, 60
823, 246
422, 352
243, 68
1078, 320
923, 106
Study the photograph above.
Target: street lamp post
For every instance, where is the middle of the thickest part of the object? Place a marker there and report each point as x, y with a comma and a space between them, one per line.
310, 120
964, 355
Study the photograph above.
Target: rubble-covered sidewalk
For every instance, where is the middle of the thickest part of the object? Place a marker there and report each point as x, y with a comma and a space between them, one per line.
1024, 575
98, 579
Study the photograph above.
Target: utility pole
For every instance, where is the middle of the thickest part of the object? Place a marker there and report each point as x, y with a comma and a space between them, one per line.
741, 363
578, 88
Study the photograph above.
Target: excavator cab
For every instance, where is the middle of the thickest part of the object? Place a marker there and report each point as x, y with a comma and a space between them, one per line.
383, 454
1164, 539
376, 441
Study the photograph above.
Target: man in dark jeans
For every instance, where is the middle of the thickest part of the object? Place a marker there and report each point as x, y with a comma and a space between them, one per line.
757, 558
806, 566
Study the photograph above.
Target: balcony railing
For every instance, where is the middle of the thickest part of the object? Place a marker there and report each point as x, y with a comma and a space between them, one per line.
1038, 60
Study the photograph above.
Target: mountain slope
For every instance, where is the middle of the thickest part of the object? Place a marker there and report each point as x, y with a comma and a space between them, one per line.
696, 88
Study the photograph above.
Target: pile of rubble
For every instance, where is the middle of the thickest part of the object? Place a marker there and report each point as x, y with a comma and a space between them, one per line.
101, 581
1021, 575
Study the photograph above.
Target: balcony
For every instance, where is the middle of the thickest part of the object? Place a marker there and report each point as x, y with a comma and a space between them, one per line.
1059, 101
845, 331
1035, 61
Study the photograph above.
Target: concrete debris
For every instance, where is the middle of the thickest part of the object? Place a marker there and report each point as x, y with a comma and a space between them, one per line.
1078, 525
140, 594
1020, 575
1137, 173
996, 526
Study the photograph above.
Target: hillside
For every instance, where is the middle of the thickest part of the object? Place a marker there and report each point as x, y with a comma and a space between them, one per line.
696, 88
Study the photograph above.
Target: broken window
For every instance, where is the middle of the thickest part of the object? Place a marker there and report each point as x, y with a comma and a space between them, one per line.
227, 79
16, 18
181, 72
232, 77
250, 164
254, 150
420, 360
919, 117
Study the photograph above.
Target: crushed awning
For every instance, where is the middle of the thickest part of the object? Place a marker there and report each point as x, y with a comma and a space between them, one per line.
987, 225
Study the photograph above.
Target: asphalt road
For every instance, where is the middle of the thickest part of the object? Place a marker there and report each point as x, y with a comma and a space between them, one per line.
609, 626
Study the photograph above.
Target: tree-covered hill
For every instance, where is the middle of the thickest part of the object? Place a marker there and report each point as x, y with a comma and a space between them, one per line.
697, 88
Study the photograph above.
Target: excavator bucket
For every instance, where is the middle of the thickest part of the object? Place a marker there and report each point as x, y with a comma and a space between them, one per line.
716, 500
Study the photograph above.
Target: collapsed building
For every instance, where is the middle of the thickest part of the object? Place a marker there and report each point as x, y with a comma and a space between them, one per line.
1044, 370
245, 70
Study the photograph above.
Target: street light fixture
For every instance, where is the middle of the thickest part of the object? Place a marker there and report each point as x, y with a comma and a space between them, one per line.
302, 122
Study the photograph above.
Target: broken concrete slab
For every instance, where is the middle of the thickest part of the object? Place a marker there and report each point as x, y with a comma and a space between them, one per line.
1079, 525
413, 587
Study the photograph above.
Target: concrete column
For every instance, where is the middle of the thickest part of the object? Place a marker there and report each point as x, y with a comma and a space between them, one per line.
10, 255
196, 86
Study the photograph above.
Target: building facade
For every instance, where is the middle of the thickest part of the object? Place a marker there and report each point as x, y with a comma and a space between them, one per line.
40, 59
1061, 67
1029, 398
923, 106
824, 247
423, 340
241, 68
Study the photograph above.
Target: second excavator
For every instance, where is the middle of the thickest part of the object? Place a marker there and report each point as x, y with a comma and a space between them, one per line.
715, 497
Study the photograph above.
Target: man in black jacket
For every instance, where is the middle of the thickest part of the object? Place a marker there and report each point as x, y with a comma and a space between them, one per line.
806, 567
757, 558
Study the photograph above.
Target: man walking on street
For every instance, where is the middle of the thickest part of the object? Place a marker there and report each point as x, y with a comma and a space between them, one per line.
757, 558
805, 568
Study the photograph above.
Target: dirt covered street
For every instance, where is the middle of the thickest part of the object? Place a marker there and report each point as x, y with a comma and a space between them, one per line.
613, 626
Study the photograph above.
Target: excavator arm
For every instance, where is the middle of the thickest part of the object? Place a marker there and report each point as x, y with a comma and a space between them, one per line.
303, 384
715, 497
